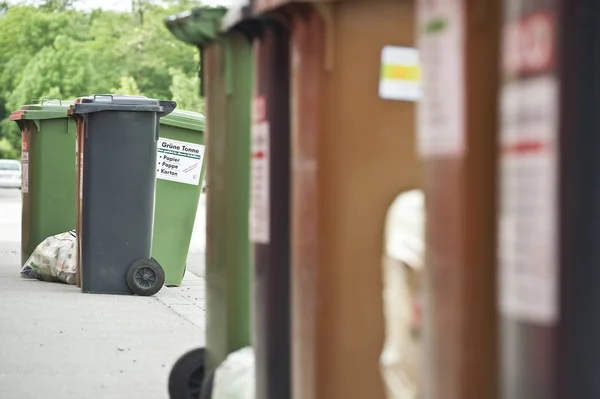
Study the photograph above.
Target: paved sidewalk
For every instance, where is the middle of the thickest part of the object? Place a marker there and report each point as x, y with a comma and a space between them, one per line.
57, 343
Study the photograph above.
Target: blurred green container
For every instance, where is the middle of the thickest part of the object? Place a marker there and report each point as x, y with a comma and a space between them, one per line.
227, 65
48, 171
179, 174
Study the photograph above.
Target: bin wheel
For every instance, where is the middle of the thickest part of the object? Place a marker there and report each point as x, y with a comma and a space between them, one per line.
145, 277
187, 375
207, 387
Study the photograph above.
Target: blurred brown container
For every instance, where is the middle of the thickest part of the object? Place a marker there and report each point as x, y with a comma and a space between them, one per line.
352, 152
459, 46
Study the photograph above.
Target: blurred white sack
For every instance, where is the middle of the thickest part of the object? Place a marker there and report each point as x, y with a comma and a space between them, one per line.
400, 360
234, 378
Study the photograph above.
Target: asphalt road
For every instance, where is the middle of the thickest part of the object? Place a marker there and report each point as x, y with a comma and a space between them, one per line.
56, 343
10, 215
10, 221
196, 258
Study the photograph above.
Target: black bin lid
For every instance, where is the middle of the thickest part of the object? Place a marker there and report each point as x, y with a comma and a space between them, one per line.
120, 102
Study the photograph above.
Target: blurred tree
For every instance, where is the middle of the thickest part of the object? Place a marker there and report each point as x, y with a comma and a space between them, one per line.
25, 31
128, 87
57, 5
7, 150
54, 50
185, 91
62, 70
153, 50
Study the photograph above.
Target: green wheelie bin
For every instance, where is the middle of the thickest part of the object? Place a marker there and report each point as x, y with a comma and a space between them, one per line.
179, 173
48, 171
227, 75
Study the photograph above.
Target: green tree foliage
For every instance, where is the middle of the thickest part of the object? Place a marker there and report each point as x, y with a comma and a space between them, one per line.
128, 86
57, 5
61, 70
185, 89
49, 49
7, 150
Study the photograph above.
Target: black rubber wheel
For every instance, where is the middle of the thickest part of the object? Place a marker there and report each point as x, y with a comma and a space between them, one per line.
145, 277
187, 376
207, 387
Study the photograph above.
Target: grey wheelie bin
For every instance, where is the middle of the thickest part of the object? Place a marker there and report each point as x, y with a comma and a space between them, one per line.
117, 137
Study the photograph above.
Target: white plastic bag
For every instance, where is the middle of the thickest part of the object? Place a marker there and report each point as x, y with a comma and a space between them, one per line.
234, 378
402, 273
54, 259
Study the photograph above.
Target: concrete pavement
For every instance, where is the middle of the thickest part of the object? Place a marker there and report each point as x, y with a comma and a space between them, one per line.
10, 216
57, 343
197, 250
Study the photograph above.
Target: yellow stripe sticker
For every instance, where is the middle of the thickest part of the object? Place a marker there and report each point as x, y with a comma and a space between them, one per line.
401, 72
400, 77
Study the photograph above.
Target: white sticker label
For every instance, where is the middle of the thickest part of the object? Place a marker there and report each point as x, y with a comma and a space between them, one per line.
179, 161
259, 183
528, 206
24, 172
400, 74
441, 130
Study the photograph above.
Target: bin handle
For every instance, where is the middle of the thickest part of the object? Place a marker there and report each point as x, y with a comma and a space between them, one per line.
44, 99
168, 107
104, 95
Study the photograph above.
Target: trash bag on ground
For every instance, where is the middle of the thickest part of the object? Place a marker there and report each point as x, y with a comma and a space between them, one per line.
234, 378
402, 294
53, 260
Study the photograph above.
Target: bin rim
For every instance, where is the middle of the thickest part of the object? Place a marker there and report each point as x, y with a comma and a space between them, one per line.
42, 110
198, 26
238, 11
120, 102
185, 119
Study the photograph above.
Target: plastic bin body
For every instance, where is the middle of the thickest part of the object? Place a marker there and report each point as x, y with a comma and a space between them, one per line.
457, 142
48, 172
177, 196
118, 179
529, 359
270, 212
548, 222
352, 152
227, 75
229, 71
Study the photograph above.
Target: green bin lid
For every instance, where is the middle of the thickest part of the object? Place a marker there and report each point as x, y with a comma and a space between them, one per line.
44, 109
198, 26
184, 119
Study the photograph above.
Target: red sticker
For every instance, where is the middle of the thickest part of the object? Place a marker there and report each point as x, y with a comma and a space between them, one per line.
529, 44
260, 109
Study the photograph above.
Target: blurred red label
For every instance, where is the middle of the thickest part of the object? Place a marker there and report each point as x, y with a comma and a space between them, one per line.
529, 44
23, 143
526, 147
259, 111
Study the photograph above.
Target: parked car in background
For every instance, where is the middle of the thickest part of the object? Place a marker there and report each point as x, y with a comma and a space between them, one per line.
10, 173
